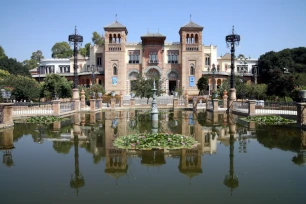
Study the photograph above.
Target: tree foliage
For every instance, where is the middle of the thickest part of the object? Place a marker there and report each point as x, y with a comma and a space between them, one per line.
143, 87
202, 85
56, 85
292, 59
13, 66
2, 52
61, 50
97, 39
24, 88
37, 56
85, 51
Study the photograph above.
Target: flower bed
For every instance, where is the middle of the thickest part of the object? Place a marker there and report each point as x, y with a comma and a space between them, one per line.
155, 141
269, 120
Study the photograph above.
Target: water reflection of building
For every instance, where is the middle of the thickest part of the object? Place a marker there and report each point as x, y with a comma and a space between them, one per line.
103, 128
6, 146
300, 158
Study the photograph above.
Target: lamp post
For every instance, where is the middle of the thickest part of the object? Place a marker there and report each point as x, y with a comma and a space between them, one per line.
38, 64
93, 74
232, 40
76, 40
242, 89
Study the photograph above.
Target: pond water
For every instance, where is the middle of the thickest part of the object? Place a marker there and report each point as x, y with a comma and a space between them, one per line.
74, 161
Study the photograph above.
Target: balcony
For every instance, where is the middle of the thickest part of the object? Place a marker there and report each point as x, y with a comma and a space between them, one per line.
192, 47
152, 61
114, 47
133, 61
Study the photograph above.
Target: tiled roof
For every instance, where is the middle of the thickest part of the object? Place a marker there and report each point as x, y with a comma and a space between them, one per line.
192, 25
153, 35
116, 24
226, 56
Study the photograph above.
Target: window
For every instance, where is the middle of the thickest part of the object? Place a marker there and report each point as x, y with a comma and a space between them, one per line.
173, 56
218, 67
207, 60
64, 68
192, 71
99, 61
134, 56
226, 66
242, 68
115, 71
153, 57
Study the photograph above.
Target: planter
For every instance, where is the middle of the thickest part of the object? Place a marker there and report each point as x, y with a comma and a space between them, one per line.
215, 95
175, 94
132, 94
113, 94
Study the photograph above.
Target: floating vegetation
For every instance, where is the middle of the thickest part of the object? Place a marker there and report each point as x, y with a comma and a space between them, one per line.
44, 119
269, 120
149, 141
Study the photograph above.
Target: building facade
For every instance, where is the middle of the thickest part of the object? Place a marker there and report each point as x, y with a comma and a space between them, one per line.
116, 64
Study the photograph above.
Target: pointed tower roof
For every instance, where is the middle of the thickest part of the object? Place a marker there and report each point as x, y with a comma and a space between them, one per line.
192, 26
116, 26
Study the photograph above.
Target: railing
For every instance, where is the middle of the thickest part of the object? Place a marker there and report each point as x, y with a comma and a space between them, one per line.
193, 47
181, 102
66, 106
152, 61
114, 47
281, 108
126, 102
32, 109
239, 106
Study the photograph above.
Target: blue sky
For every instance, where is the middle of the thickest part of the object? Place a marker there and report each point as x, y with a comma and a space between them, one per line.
264, 25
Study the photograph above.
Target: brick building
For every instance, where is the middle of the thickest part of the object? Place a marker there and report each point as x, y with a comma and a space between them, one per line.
180, 64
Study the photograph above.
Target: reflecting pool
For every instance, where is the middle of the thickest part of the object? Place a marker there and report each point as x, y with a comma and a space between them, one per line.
74, 161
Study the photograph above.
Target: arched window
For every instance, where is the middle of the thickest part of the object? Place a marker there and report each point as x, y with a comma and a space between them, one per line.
110, 38
207, 60
196, 38
115, 71
192, 71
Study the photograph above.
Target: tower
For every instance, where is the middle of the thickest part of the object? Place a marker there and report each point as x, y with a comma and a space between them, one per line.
114, 61
191, 46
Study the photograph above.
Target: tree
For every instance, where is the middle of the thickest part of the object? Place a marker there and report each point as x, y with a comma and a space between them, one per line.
202, 85
85, 51
37, 56
3, 74
281, 84
2, 52
97, 39
292, 59
143, 87
13, 66
56, 85
239, 86
30, 64
24, 88
61, 50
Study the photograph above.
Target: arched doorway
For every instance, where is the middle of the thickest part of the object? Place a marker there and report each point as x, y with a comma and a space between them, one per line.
132, 79
172, 81
152, 73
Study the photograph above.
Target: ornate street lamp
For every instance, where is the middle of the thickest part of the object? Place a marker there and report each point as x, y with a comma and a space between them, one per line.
232, 40
76, 40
